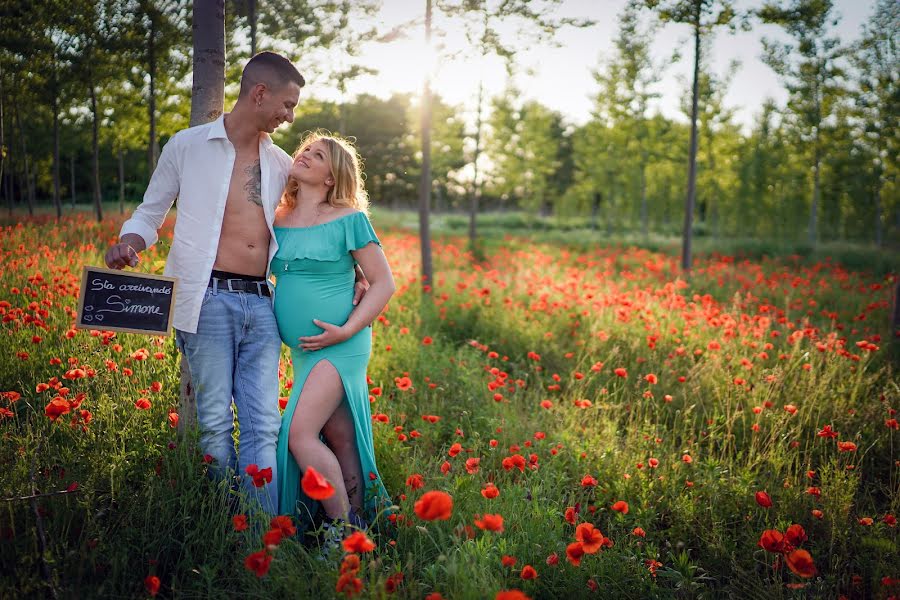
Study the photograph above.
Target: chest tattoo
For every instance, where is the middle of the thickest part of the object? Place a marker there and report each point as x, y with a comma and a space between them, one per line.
253, 185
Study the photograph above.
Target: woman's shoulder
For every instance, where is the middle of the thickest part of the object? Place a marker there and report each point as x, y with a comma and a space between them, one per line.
343, 211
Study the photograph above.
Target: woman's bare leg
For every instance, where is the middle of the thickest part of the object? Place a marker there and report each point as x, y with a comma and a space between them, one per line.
340, 433
321, 395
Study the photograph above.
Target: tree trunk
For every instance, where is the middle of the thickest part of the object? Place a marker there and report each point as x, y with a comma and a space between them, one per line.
879, 231
121, 182
692, 157
645, 217
474, 201
895, 314
57, 202
95, 144
207, 103
26, 183
425, 182
3, 144
152, 149
72, 173
208, 90
251, 16
595, 209
814, 207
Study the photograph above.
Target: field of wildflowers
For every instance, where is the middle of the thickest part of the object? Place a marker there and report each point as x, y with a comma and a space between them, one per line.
552, 423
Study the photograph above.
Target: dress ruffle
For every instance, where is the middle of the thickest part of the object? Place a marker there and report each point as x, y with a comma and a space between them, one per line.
332, 241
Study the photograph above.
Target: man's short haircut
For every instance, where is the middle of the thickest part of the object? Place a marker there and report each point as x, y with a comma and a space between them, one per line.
273, 70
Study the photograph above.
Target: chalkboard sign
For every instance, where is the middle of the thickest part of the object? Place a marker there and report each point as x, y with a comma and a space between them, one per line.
125, 301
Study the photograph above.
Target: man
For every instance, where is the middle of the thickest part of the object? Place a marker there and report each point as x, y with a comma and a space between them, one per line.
228, 177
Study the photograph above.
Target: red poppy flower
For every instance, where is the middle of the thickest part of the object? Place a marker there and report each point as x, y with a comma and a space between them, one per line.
284, 524
240, 522
588, 481
801, 563
260, 476
574, 552
142, 404
315, 485
846, 447
763, 499
56, 408
434, 506
772, 540
350, 564
590, 537
472, 465
358, 542
511, 595
528, 572
151, 583
349, 584
490, 491
403, 383
620, 506
795, 534
552, 560
415, 481
272, 538
621, 372
258, 563
508, 561
638, 532
455, 449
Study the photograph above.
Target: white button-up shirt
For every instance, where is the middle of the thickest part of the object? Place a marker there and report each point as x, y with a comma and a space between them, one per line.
195, 166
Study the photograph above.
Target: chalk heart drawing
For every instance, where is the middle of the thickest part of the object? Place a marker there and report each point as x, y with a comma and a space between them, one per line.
99, 317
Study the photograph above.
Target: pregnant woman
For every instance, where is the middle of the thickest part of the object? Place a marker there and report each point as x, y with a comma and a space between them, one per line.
322, 232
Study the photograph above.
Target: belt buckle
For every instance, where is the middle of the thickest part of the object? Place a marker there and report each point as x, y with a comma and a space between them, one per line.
230, 288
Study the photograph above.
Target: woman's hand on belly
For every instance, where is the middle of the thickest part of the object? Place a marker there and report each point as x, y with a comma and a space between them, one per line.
332, 334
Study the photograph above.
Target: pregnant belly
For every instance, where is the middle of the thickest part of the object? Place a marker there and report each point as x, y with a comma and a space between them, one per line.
299, 300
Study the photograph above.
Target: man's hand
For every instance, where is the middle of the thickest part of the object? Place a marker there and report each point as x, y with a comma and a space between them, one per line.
361, 286
333, 334
125, 253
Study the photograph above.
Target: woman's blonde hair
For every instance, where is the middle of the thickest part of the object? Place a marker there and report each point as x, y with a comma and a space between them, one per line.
346, 168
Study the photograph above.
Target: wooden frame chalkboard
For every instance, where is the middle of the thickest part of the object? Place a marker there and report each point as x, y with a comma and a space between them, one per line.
131, 302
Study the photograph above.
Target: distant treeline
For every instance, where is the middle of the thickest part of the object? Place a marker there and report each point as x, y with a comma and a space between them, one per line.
91, 90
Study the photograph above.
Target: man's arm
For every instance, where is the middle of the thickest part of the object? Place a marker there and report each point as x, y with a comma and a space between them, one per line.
141, 230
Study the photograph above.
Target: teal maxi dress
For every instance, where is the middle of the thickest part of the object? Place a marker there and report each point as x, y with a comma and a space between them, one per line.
315, 278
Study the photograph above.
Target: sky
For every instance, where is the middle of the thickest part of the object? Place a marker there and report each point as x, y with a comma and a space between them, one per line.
561, 78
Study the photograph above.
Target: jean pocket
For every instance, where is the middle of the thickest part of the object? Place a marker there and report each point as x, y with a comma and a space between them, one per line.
206, 297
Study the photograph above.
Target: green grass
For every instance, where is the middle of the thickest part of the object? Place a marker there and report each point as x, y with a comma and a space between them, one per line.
144, 507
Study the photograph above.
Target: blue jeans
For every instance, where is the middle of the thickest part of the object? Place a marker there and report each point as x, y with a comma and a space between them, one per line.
234, 354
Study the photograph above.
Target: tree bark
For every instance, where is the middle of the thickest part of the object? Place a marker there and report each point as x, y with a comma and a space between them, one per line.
645, 217
208, 90
26, 183
95, 144
207, 103
3, 145
692, 157
473, 204
152, 149
72, 173
121, 181
57, 202
425, 182
895, 314
251, 16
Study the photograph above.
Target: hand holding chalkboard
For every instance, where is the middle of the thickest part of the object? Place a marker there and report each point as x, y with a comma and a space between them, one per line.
119, 301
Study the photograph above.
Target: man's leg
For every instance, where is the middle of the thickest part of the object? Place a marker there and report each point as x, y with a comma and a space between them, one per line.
210, 355
256, 395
